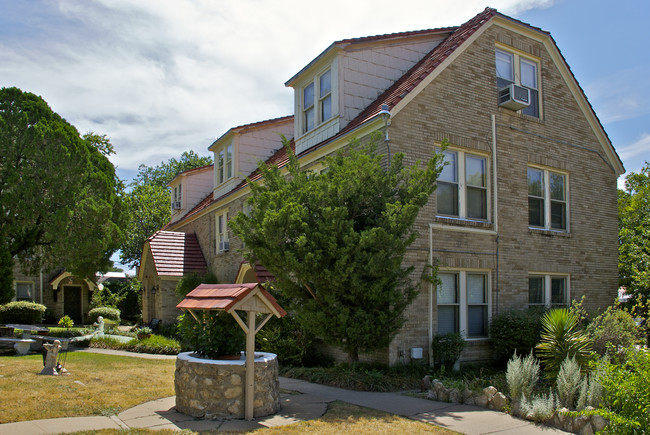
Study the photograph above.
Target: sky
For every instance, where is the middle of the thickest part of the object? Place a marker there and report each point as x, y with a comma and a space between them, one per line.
160, 77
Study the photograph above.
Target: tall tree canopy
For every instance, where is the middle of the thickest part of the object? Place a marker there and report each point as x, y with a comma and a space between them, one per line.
634, 234
335, 241
60, 200
148, 202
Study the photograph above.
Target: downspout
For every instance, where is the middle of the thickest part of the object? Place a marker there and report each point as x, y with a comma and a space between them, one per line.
496, 210
430, 297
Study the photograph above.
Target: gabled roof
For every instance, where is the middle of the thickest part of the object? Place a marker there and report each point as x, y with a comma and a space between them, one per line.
176, 254
407, 85
191, 172
253, 126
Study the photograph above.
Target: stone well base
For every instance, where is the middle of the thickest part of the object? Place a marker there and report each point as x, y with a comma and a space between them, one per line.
211, 389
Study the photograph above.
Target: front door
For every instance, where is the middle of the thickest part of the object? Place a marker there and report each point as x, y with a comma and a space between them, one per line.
72, 303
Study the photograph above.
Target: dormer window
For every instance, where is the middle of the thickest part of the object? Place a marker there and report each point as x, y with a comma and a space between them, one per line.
178, 193
316, 112
513, 68
224, 164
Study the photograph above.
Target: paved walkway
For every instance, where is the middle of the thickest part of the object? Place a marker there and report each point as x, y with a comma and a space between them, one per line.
310, 403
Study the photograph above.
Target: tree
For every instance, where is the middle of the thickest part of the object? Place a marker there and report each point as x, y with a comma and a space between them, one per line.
148, 202
634, 234
60, 200
335, 241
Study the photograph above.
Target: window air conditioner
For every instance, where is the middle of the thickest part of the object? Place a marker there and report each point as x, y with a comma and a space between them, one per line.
514, 97
176, 205
224, 246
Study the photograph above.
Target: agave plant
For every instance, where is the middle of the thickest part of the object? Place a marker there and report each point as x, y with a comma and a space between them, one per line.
562, 338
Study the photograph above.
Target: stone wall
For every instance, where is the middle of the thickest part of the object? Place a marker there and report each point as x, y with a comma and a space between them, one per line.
213, 389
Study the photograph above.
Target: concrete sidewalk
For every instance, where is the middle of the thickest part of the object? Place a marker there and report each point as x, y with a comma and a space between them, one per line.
310, 404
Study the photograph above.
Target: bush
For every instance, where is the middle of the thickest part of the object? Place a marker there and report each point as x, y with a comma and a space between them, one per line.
625, 392
446, 349
285, 338
568, 382
106, 312
590, 392
540, 408
515, 331
192, 281
614, 330
155, 344
216, 335
22, 312
123, 295
66, 322
522, 375
561, 338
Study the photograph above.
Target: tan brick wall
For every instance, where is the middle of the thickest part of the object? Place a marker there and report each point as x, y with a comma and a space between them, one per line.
457, 105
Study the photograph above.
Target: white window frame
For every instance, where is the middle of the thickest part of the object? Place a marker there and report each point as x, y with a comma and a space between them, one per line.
462, 303
461, 181
222, 230
517, 60
224, 164
32, 290
548, 285
547, 200
178, 193
317, 104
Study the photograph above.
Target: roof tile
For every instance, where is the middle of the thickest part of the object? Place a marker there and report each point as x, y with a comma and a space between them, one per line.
176, 254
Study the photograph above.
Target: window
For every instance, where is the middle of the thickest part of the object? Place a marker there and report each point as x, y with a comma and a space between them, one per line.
547, 199
222, 233
224, 164
547, 291
513, 68
462, 186
463, 303
316, 112
24, 291
178, 193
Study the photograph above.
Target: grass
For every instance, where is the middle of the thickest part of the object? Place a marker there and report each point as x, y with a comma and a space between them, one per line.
339, 418
153, 344
98, 385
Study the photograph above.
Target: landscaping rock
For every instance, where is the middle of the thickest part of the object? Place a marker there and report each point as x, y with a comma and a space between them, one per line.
489, 392
432, 395
598, 422
426, 383
467, 393
455, 396
586, 430
481, 401
498, 402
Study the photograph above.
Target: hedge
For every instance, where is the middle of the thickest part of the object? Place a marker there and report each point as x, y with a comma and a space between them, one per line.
24, 312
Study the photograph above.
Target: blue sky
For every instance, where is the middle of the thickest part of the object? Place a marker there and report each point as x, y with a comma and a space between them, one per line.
160, 77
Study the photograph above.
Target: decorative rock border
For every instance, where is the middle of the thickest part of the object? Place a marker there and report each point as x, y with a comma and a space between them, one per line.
214, 389
491, 398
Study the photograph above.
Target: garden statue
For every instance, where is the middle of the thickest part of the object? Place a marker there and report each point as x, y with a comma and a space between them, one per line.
100, 326
51, 366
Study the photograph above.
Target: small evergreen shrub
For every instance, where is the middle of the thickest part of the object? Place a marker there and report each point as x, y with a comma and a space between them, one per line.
446, 349
216, 335
541, 407
613, 331
562, 338
522, 374
514, 331
23, 312
590, 392
568, 382
66, 322
287, 339
109, 313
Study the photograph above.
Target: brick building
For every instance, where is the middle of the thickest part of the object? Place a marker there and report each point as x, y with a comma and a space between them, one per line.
526, 210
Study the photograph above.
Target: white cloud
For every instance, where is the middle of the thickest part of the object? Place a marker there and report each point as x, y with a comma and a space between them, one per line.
160, 77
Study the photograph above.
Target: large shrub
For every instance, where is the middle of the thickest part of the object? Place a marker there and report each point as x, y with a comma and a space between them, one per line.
514, 331
192, 281
22, 312
626, 395
215, 335
109, 313
446, 349
614, 330
562, 338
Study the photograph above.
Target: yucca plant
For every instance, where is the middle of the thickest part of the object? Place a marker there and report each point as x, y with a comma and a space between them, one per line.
562, 338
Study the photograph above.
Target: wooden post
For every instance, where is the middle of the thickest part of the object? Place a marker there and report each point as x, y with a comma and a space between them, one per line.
249, 394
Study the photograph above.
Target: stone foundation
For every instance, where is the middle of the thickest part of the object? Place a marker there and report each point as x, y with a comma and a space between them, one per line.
214, 389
